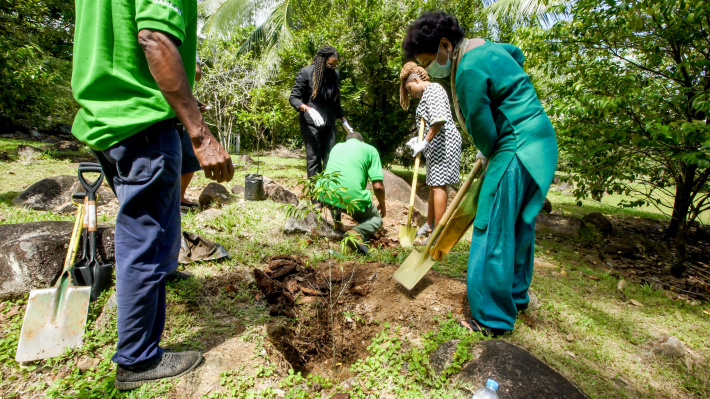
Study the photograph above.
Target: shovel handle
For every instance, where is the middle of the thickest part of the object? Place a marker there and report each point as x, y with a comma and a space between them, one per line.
454, 204
73, 242
91, 188
415, 176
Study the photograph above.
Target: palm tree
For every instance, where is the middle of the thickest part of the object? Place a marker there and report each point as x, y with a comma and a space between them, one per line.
273, 32
525, 9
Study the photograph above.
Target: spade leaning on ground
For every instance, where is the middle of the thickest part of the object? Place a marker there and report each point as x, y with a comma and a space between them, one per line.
133, 72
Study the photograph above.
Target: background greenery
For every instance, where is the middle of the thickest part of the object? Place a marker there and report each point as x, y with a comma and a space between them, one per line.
626, 83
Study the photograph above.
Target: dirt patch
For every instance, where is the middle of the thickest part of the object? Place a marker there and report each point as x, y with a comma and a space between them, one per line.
639, 252
335, 309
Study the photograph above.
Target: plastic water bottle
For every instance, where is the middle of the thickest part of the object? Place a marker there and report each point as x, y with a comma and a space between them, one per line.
490, 391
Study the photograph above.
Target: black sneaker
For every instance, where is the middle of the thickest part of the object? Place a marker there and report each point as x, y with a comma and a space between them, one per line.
360, 249
177, 275
172, 364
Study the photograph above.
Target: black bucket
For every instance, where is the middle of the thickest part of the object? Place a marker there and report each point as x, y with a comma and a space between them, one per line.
254, 187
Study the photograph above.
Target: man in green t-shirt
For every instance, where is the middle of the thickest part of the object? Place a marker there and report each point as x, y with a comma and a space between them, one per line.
357, 163
134, 65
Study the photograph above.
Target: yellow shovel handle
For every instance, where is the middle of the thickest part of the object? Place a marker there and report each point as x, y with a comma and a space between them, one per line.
74, 241
454, 204
416, 174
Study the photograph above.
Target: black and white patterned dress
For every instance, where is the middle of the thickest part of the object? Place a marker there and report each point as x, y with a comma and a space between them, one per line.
443, 154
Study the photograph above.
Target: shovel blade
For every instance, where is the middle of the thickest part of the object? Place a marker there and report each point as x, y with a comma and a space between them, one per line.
413, 269
407, 235
54, 321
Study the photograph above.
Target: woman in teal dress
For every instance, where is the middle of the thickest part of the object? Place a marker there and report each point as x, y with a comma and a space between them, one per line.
496, 103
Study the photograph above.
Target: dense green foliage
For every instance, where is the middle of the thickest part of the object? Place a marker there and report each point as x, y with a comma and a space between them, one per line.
35, 61
368, 34
629, 85
626, 83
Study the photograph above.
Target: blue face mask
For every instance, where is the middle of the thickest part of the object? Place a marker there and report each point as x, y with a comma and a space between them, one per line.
438, 71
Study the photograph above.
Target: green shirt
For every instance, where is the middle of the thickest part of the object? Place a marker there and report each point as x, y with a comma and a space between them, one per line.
505, 119
357, 162
111, 80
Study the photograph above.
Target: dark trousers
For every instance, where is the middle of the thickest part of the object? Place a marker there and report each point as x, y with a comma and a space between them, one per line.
144, 172
369, 221
319, 141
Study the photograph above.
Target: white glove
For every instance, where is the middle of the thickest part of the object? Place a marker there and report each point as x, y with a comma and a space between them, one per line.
417, 146
315, 116
347, 127
484, 160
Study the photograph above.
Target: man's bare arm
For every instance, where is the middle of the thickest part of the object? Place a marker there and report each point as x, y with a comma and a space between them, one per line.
168, 71
379, 188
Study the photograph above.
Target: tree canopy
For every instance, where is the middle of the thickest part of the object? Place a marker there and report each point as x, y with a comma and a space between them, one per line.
628, 83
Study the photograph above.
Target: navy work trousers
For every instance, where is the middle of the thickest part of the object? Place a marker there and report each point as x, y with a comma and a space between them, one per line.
144, 172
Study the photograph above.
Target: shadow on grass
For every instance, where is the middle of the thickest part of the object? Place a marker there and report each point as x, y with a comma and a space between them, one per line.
7, 197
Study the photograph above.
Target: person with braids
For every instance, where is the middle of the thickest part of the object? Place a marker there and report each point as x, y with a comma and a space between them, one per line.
442, 143
316, 95
496, 103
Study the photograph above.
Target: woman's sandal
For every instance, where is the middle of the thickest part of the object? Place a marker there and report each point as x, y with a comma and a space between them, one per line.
474, 326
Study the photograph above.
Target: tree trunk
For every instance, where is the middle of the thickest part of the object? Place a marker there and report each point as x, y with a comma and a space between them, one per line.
678, 228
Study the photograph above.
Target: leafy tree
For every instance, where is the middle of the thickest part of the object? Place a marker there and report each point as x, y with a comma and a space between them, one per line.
35, 61
630, 93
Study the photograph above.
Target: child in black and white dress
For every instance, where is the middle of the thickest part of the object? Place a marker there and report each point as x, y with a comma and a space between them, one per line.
442, 142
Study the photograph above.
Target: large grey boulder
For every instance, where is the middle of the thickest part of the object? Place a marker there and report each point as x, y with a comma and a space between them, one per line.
311, 225
600, 222
559, 225
518, 372
547, 206
214, 193
32, 254
668, 346
27, 153
54, 194
398, 189
278, 193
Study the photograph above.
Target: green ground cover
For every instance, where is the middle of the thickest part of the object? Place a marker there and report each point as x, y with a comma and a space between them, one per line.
584, 328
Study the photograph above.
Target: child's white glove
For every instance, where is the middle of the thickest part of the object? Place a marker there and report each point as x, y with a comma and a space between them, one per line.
484, 160
417, 146
315, 116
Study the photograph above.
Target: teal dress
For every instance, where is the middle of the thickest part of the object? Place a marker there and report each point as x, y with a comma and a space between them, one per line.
510, 127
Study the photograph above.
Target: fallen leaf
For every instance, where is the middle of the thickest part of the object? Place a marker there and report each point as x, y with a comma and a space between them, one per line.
310, 291
635, 302
570, 337
595, 278
12, 312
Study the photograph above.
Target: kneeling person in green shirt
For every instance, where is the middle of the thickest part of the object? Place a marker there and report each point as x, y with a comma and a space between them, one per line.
357, 163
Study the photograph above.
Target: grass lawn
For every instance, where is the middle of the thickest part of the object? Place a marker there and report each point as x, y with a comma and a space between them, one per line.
584, 327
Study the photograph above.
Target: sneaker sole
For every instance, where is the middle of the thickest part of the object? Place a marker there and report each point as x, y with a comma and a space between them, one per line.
127, 386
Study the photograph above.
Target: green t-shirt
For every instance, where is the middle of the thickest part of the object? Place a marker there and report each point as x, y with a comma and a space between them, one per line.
357, 162
111, 80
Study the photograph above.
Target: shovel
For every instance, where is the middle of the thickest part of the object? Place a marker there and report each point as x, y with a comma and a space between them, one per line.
418, 263
89, 271
408, 233
55, 317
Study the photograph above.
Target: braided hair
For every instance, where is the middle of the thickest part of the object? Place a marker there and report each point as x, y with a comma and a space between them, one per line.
407, 70
322, 55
